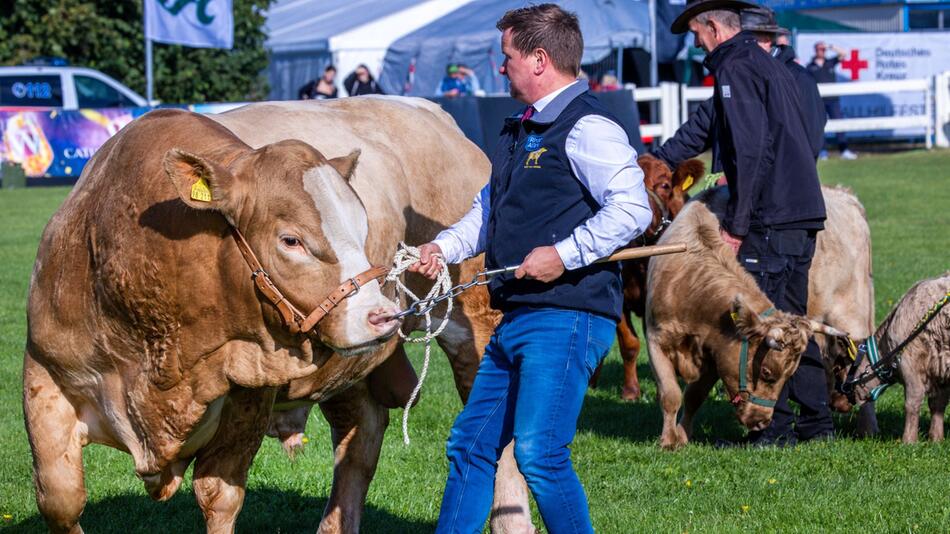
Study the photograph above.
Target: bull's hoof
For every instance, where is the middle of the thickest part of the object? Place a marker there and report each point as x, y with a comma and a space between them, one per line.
673, 440
630, 394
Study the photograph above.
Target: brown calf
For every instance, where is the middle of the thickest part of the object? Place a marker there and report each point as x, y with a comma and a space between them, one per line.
667, 196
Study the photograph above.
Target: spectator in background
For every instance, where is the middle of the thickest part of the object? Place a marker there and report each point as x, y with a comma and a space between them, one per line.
609, 82
453, 85
361, 82
471, 80
783, 37
321, 88
823, 69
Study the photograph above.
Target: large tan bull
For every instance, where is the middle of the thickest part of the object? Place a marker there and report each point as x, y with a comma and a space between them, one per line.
146, 332
706, 320
417, 174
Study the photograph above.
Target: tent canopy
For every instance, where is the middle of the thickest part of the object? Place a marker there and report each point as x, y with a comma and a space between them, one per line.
468, 36
306, 36
307, 26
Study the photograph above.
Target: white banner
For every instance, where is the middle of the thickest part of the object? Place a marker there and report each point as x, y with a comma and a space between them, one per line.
883, 56
195, 23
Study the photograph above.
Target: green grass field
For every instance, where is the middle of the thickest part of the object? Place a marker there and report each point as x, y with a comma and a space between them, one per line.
847, 485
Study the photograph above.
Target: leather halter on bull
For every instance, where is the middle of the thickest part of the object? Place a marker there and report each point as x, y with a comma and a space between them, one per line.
295, 320
653, 232
883, 368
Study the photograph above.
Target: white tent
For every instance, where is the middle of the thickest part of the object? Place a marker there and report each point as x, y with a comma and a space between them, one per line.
304, 36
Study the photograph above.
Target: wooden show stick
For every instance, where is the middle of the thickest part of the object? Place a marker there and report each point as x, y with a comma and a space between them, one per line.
643, 252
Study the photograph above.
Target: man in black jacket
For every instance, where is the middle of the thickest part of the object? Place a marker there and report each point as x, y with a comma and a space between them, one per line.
693, 137
775, 207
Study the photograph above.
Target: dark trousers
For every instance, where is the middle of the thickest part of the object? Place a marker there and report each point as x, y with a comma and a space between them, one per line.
833, 108
779, 260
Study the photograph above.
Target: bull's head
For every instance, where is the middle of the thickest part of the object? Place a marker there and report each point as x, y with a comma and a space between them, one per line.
774, 343
667, 189
306, 225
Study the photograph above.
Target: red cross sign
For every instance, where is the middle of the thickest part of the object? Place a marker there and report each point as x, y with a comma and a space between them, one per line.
855, 64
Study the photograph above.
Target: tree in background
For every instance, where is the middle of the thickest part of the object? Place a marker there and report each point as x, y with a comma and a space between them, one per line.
109, 36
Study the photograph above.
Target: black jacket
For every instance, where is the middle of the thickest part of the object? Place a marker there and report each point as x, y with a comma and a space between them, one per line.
812, 105
354, 87
692, 138
759, 134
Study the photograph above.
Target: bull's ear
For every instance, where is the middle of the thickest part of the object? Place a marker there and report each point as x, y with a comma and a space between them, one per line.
201, 184
345, 165
688, 173
746, 320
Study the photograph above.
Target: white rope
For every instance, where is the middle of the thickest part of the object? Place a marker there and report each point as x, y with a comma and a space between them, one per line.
404, 258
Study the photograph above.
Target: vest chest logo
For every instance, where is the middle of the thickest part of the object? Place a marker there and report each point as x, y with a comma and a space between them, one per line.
534, 159
532, 142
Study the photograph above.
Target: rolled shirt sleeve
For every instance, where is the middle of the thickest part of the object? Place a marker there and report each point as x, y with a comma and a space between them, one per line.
466, 238
603, 160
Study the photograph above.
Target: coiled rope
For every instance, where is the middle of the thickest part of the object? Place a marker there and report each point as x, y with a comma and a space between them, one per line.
405, 257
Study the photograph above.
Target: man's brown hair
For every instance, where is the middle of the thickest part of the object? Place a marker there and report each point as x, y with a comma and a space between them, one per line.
549, 27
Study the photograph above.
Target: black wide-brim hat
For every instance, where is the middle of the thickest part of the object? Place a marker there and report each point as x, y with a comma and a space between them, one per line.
760, 19
695, 7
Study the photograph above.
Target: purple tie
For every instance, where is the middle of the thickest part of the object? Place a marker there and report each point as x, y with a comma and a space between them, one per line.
527, 113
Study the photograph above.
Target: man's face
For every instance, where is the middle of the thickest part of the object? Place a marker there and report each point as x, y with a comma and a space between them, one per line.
820, 50
329, 75
704, 35
517, 67
363, 75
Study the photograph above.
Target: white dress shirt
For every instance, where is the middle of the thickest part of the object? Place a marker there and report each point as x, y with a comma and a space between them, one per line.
605, 163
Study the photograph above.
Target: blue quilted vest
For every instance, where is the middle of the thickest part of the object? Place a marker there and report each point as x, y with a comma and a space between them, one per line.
536, 200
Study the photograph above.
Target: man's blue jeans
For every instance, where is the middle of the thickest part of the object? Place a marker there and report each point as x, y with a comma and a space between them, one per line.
530, 386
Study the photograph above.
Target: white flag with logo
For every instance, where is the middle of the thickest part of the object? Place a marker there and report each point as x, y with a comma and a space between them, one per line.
196, 23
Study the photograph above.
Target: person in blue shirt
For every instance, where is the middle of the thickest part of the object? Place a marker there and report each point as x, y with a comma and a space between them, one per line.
565, 190
454, 83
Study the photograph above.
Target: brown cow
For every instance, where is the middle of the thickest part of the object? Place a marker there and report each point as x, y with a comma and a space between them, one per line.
417, 174
146, 332
667, 196
703, 311
923, 366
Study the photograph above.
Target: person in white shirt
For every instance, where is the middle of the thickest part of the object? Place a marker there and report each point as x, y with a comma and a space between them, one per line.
565, 191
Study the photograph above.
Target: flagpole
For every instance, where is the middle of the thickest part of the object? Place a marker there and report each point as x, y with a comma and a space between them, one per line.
148, 55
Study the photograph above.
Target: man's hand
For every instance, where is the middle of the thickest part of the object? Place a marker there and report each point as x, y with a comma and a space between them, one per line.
542, 263
731, 240
428, 265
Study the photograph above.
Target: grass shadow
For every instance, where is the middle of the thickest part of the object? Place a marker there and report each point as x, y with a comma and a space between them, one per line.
265, 510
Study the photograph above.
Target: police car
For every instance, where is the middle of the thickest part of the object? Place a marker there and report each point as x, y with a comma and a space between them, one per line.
63, 87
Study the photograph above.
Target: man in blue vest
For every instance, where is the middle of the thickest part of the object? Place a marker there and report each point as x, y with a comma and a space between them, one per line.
565, 191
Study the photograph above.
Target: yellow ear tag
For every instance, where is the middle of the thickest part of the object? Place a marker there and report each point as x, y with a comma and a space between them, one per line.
735, 317
200, 191
687, 183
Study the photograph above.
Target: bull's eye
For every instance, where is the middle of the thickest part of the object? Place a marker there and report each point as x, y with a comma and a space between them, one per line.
664, 186
290, 241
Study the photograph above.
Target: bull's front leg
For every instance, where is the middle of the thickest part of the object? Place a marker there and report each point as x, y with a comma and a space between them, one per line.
629, 351
221, 466
669, 394
357, 424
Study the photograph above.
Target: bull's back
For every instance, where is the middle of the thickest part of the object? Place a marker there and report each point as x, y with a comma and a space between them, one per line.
841, 288
417, 173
